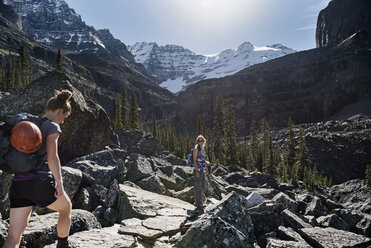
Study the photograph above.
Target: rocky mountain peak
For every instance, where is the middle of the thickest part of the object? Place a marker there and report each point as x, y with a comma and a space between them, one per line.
55, 24
176, 67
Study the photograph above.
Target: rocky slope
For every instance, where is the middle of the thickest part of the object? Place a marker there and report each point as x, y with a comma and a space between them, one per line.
133, 193
338, 148
175, 67
103, 72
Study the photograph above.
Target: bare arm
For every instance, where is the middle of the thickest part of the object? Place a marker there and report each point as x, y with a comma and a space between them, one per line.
54, 162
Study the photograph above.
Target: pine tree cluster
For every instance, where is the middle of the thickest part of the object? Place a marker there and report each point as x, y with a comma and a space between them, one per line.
123, 114
258, 153
16, 72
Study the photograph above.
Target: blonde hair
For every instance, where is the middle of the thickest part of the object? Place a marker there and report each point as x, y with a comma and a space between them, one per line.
200, 136
60, 100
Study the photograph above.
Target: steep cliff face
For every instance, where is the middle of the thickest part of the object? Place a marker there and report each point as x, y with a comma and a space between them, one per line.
55, 24
343, 19
309, 86
176, 68
8, 13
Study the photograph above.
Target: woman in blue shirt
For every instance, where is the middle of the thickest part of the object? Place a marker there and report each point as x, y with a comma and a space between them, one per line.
200, 171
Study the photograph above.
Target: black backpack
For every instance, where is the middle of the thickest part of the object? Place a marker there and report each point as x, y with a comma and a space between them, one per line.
12, 160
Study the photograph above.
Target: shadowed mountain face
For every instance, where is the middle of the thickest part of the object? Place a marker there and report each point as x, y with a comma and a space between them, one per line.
343, 19
311, 86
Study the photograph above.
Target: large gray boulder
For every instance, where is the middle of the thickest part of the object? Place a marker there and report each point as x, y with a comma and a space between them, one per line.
103, 166
353, 194
134, 202
4, 226
71, 180
294, 220
358, 222
330, 237
138, 168
228, 223
42, 229
334, 221
277, 243
5, 180
316, 208
283, 202
86, 130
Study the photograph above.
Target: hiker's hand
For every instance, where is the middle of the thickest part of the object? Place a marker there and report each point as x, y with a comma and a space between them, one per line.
206, 172
197, 174
59, 190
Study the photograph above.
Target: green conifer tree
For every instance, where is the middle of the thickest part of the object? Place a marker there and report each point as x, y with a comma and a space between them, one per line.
58, 65
230, 133
118, 117
113, 114
290, 147
268, 154
368, 175
218, 130
134, 114
302, 159
124, 107
154, 127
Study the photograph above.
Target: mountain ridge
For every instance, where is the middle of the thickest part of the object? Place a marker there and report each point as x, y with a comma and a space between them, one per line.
176, 67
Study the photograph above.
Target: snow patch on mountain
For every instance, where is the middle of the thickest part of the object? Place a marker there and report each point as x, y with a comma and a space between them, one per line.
175, 67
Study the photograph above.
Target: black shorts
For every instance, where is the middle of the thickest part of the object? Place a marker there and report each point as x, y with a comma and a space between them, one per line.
36, 192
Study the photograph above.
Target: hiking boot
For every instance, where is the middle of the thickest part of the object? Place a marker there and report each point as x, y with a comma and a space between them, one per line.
67, 244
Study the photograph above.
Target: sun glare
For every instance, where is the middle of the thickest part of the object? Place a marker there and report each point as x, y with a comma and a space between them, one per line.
208, 3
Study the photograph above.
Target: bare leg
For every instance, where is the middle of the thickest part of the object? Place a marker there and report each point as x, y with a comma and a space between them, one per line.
63, 206
18, 222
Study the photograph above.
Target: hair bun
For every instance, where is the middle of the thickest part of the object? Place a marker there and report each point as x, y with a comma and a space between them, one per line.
64, 95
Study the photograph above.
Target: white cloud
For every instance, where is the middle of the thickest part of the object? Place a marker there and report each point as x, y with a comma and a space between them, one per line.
308, 27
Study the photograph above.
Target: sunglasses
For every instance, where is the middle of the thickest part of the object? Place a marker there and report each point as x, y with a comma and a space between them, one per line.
200, 140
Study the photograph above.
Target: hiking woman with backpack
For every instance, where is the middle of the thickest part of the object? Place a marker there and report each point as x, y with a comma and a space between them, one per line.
200, 171
43, 187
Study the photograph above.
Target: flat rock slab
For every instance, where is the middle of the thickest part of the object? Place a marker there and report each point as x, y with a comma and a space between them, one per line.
138, 203
42, 229
166, 224
333, 238
293, 220
276, 243
141, 231
97, 238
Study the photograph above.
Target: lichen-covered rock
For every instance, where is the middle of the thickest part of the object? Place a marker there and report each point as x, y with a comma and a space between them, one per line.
254, 199
330, 237
42, 229
316, 208
283, 202
134, 202
101, 166
334, 221
71, 180
353, 194
293, 220
86, 130
228, 222
107, 237
3, 231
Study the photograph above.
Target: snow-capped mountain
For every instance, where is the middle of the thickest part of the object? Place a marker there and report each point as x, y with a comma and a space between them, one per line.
175, 67
55, 24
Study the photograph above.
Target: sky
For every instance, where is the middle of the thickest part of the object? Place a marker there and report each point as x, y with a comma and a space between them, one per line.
206, 26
